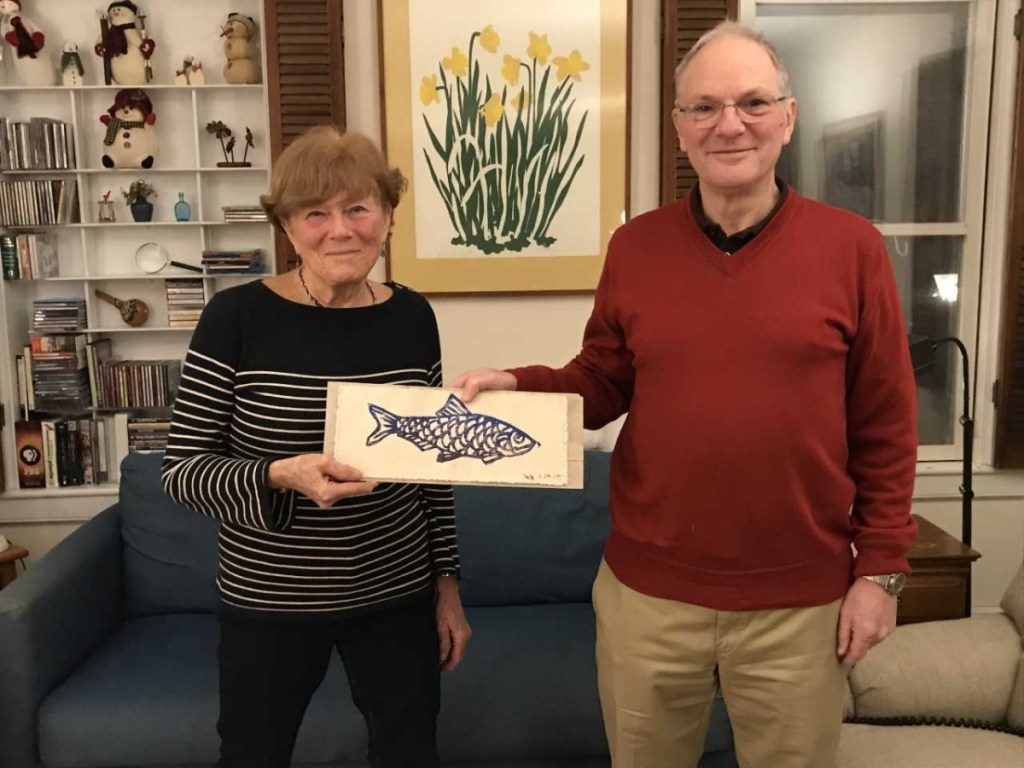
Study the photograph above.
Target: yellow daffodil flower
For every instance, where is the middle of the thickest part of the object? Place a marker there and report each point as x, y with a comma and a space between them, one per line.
489, 39
510, 69
570, 66
493, 110
539, 48
526, 100
456, 63
428, 90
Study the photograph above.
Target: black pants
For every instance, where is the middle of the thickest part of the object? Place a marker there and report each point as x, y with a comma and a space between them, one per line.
269, 670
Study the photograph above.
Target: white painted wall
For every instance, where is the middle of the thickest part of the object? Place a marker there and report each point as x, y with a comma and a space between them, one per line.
507, 331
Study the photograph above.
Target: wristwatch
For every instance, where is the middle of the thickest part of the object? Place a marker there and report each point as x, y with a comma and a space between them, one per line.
892, 583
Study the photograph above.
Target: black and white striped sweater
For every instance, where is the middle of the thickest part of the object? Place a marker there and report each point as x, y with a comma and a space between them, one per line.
253, 390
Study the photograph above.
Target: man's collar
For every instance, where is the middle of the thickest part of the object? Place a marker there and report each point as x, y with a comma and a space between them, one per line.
732, 243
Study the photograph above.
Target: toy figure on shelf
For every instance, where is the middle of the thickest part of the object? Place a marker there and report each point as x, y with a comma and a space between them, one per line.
125, 47
240, 48
71, 69
130, 141
191, 72
221, 131
31, 63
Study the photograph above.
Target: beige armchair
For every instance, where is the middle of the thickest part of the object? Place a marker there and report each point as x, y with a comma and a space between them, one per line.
942, 694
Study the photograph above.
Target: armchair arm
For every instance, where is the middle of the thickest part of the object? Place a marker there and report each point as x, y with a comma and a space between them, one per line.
51, 618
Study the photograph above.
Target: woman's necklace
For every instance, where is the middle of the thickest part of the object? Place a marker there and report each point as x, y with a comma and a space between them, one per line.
317, 302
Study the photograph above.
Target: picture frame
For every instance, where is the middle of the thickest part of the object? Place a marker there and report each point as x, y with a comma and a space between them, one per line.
511, 125
852, 165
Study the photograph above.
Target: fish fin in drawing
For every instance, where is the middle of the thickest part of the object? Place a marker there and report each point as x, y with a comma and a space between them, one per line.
454, 407
490, 459
386, 424
444, 456
422, 443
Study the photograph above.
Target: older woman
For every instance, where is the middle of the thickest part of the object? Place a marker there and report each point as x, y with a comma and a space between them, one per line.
311, 558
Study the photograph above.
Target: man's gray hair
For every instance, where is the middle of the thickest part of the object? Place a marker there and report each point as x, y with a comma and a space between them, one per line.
732, 29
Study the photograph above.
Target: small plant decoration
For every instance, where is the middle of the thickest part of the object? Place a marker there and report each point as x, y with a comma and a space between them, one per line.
222, 132
138, 191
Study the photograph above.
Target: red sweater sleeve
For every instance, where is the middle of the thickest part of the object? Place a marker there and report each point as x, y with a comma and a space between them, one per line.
602, 373
881, 422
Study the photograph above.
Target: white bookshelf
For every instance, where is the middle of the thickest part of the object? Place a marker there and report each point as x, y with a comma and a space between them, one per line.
95, 255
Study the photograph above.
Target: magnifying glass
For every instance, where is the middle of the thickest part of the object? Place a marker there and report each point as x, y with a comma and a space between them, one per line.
153, 257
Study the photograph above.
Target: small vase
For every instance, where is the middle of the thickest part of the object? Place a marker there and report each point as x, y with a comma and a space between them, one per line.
142, 210
106, 212
182, 210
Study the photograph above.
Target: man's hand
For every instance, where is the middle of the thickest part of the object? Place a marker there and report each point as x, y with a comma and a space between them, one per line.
867, 617
453, 631
481, 380
319, 478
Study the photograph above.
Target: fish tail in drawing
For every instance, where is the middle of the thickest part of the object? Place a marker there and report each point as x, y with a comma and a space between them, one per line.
387, 424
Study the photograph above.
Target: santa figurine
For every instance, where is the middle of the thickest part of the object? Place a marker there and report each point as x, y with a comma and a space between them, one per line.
125, 47
31, 62
130, 141
71, 70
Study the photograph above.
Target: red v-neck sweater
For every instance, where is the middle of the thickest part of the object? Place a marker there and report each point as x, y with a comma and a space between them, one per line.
772, 412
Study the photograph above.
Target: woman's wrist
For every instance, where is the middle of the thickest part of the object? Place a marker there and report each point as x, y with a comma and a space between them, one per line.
277, 474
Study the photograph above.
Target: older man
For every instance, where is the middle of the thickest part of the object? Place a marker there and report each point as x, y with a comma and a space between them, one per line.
756, 341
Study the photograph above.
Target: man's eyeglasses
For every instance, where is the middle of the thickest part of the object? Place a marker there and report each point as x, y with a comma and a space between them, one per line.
750, 109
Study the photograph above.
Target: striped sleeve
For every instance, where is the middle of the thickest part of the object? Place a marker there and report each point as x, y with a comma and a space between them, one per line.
439, 508
197, 468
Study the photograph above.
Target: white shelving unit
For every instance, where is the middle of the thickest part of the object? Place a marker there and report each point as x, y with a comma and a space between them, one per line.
95, 255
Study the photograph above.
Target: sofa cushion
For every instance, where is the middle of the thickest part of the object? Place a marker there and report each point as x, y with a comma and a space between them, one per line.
521, 546
925, 746
170, 552
1015, 712
1013, 600
149, 697
963, 668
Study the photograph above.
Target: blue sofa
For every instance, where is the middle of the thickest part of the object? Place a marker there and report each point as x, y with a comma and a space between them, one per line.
108, 645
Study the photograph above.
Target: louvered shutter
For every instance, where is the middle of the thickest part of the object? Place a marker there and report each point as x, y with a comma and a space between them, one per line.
1009, 446
306, 76
682, 24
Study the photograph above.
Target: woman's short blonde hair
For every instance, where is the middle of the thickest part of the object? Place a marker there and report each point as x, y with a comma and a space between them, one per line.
324, 162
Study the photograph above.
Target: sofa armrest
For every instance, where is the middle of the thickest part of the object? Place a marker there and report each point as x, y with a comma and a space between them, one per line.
51, 618
959, 669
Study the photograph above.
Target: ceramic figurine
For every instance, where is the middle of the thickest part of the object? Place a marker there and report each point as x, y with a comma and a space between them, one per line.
31, 63
71, 70
131, 140
239, 49
125, 48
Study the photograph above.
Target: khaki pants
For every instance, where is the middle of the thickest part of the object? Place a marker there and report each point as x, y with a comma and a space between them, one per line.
660, 661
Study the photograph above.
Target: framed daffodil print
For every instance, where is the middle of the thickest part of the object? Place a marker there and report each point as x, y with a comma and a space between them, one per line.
510, 121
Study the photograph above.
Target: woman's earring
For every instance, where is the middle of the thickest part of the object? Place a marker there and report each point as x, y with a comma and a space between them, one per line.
383, 251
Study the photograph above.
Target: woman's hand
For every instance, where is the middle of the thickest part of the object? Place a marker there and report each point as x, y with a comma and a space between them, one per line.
319, 478
453, 631
481, 380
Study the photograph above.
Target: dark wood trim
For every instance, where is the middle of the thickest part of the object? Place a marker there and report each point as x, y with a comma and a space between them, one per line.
1009, 437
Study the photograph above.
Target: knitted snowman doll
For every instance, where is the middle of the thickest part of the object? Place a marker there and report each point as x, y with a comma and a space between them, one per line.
130, 141
71, 70
125, 47
19, 33
239, 49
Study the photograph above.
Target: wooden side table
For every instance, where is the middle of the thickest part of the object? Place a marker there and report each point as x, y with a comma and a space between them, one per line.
937, 589
9, 563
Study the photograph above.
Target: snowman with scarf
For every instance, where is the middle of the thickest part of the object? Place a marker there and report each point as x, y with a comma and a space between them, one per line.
124, 46
26, 40
130, 141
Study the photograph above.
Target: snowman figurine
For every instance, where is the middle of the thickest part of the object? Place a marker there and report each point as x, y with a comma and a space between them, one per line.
71, 70
240, 68
131, 140
33, 66
124, 45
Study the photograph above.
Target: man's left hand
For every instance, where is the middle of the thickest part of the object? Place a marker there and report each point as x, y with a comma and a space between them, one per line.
867, 617
453, 630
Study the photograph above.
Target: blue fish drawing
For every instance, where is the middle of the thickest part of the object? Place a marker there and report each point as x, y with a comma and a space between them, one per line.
455, 431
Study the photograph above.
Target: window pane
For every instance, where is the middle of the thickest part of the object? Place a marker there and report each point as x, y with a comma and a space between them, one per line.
928, 275
880, 93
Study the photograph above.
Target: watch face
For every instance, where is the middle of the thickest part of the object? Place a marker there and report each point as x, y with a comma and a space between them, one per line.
897, 583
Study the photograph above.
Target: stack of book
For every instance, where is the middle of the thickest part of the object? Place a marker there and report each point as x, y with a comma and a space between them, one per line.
185, 301
37, 202
61, 452
147, 433
58, 315
29, 256
43, 143
55, 373
243, 213
233, 262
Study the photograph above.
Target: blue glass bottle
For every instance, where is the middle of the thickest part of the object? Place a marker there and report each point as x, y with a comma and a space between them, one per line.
182, 210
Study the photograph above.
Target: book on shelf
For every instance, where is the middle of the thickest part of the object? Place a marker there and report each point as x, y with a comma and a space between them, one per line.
35, 256
28, 440
233, 262
62, 452
41, 143
37, 202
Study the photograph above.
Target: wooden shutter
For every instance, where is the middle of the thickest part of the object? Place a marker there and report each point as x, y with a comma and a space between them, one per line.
305, 76
682, 24
1009, 444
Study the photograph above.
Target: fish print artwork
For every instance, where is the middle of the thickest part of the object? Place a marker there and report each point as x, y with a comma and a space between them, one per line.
455, 432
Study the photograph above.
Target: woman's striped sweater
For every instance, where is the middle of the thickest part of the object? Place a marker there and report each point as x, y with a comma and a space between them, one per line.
253, 390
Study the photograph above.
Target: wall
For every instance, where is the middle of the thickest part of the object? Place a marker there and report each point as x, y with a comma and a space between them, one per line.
505, 331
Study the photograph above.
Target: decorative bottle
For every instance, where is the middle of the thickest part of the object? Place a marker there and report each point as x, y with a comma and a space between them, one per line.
182, 210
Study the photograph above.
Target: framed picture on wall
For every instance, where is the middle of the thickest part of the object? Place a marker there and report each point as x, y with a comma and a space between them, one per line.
510, 121
854, 177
